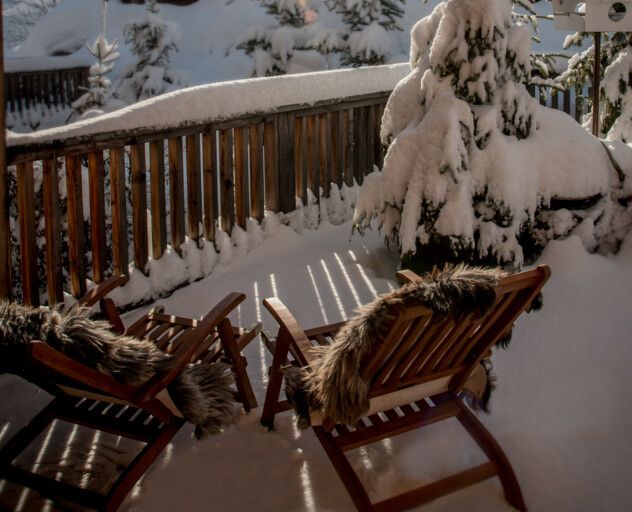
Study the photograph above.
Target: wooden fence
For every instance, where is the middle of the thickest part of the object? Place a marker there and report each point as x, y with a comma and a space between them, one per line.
56, 87
219, 174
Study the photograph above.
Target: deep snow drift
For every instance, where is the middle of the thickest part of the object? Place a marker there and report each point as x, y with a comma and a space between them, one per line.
561, 410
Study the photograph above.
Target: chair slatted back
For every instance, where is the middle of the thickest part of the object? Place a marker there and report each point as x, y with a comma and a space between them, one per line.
421, 346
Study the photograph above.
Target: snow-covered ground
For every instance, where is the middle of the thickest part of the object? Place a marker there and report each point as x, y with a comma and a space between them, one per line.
561, 411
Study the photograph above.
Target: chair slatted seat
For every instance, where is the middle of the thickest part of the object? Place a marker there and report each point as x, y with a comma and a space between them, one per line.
416, 375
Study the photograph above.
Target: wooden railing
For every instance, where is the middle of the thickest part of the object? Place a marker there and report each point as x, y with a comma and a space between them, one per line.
190, 181
219, 174
56, 87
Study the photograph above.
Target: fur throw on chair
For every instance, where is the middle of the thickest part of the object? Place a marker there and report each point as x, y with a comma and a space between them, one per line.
334, 384
201, 392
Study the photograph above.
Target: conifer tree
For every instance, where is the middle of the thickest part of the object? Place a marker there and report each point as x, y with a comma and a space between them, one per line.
457, 183
368, 22
97, 94
615, 95
152, 40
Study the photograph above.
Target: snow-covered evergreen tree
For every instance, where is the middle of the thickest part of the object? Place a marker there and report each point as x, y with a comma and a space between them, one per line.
369, 21
616, 81
472, 172
97, 94
152, 40
290, 44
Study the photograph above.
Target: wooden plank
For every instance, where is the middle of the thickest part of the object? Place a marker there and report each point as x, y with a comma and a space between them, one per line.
158, 206
347, 144
286, 165
567, 102
555, 99
52, 226
5, 227
304, 161
370, 139
377, 138
240, 189
255, 145
359, 144
311, 151
271, 165
298, 162
97, 214
139, 205
209, 162
194, 191
324, 131
118, 206
76, 239
337, 148
176, 193
26, 222
226, 180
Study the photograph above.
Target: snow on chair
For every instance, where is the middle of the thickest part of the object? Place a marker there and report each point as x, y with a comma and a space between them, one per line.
408, 360
145, 401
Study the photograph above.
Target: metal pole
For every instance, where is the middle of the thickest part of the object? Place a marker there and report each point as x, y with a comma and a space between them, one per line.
5, 233
596, 83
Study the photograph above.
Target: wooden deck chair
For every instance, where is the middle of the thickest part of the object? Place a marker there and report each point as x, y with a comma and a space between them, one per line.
144, 413
424, 356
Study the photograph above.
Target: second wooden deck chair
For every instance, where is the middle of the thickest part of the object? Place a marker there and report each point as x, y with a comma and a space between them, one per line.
423, 356
145, 413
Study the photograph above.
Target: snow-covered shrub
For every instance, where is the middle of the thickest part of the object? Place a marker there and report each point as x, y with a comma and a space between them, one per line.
152, 40
290, 45
368, 21
97, 95
476, 170
615, 96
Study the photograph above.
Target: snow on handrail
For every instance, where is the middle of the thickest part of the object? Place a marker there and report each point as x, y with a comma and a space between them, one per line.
222, 101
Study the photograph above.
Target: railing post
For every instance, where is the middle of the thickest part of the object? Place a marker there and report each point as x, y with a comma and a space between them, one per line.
5, 228
286, 164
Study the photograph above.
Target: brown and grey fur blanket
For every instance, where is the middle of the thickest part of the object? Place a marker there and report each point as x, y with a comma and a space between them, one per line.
201, 392
334, 384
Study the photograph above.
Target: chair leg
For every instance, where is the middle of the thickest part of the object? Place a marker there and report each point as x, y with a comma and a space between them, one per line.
345, 471
229, 344
279, 358
139, 466
492, 449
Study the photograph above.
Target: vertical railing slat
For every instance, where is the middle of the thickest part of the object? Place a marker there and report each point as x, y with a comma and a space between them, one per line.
336, 150
97, 214
209, 159
26, 222
256, 171
158, 206
347, 168
323, 162
370, 139
194, 192
176, 193
286, 166
118, 205
298, 161
76, 239
52, 227
226, 183
139, 205
240, 189
271, 165
377, 140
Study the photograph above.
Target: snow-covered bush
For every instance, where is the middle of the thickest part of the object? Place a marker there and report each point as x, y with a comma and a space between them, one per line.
615, 96
152, 40
290, 45
369, 22
476, 170
97, 94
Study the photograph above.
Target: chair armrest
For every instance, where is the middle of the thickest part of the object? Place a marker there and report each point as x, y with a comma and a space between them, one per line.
97, 293
406, 277
290, 326
189, 346
63, 365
